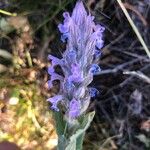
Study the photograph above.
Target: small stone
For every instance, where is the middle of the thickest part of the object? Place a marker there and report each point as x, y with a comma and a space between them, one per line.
13, 101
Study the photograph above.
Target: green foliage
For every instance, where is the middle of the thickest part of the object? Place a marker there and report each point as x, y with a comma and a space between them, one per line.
60, 123
144, 140
69, 140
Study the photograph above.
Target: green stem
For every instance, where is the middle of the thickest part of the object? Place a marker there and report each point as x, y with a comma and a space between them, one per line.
7, 13
79, 142
29, 59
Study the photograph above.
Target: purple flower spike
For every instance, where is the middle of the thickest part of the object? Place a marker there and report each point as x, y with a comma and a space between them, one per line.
74, 108
79, 13
97, 55
79, 61
75, 78
63, 28
51, 70
93, 92
76, 74
50, 84
55, 76
70, 57
95, 69
55, 60
64, 37
54, 101
99, 43
69, 84
66, 15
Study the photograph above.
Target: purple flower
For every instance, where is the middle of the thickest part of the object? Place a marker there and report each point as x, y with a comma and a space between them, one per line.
54, 77
54, 101
95, 69
64, 28
76, 73
55, 60
93, 92
74, 108
68, 87
97, 54
69, 58
79, 61
51, 70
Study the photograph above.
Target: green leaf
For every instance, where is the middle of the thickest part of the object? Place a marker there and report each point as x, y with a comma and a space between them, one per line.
144, 139
60, 128
61, 142
76, 140
59, 122
79, 141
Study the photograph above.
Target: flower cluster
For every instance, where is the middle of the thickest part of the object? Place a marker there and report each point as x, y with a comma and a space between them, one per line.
78, 63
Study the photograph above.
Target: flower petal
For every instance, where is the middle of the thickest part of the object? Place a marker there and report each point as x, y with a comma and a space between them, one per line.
55, 60
99, 43
95, 69
66, 15
54, 101
55, 76
63, 28
70, 57
64, 37
51, 70
97, 54
79, 13
93, 92
74, 108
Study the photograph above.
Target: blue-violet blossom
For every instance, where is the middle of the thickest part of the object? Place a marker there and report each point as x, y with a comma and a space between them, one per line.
78, 63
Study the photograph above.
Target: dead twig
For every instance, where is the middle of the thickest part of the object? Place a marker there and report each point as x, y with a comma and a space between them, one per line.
134, 28
130, 7
145, 58
109, 140
138, 74
119, 67
131, 77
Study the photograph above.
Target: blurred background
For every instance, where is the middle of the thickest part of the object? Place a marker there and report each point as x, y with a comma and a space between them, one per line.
28, 33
